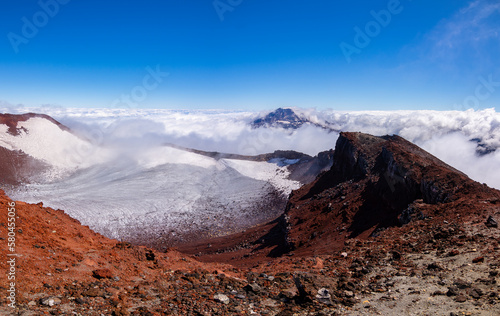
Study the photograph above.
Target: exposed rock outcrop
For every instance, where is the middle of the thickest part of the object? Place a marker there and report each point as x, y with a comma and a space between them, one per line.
374, 183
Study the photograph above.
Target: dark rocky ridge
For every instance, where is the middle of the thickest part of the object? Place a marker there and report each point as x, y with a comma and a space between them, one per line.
375, 184
304, 168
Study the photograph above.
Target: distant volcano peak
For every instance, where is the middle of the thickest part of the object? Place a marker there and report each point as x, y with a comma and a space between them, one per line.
281, 117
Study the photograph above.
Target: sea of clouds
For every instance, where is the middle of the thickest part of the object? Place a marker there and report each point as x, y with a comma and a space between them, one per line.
448, 135
452, 136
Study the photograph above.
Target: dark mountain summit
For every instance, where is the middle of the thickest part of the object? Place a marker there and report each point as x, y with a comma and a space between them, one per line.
284, 118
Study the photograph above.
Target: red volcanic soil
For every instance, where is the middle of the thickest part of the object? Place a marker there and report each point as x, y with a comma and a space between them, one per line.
55, 256
389, 229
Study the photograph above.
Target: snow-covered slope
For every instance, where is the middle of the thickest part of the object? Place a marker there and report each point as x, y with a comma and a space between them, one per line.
170, 195
265, 171
47, 142
147, 191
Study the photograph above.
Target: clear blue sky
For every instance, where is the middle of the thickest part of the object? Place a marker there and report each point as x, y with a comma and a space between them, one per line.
252, 54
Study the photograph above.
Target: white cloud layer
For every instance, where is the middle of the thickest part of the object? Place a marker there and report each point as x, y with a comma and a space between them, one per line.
124, 176
446, 134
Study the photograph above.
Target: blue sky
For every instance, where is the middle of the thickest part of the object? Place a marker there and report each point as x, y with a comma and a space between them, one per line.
251, 54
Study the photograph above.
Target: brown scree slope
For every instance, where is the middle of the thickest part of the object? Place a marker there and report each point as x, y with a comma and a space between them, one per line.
389, 230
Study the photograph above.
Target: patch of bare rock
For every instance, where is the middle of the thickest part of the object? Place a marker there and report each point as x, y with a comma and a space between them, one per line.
389, 230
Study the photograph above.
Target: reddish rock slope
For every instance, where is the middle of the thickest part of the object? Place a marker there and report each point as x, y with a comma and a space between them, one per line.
375, 183
388, 230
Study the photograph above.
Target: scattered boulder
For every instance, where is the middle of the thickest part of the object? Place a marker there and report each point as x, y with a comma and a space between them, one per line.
221, 298
253, 287
349, 301
452, 291
491, 222
461, 284
349, 294
324, 296
396, 255
102, 274
269, 303
434, 266
150, 255
50, 301
476, 293
93, 292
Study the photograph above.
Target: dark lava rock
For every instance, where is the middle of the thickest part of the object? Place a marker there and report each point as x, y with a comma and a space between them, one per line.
396, 255
491, 222
460, 298
461, 284
452, 291
434, 266
253, 287
476, 293
150, 255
